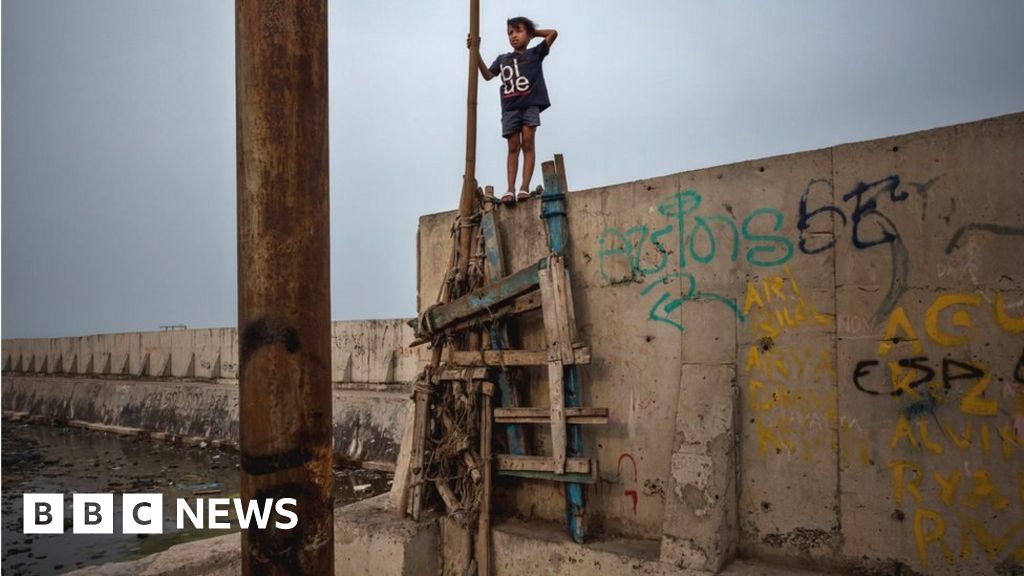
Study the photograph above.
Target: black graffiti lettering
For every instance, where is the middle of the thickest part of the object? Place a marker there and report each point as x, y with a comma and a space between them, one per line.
1018, 372
868, 206
968, 372
917, 364
804, 221
861, 370
952, 371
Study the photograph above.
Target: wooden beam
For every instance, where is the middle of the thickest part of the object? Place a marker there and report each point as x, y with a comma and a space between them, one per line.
483, 537
512, 357
556, 393
480, 301
508, 462
461, 374
543, 416
570, 479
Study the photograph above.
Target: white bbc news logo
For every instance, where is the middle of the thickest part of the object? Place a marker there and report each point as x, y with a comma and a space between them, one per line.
143, 513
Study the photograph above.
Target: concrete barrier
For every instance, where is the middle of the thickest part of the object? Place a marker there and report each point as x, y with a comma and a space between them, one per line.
183, 384
813, 358
364, 351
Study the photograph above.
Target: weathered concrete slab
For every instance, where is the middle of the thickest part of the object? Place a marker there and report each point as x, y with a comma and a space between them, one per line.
788, 271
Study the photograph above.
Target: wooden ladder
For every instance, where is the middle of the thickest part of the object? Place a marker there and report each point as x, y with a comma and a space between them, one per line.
545, 285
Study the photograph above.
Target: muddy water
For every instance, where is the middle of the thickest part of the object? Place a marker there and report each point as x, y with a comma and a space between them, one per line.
68, 460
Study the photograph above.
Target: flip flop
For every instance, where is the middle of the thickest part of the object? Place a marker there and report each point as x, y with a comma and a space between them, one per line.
508, 198
522, 196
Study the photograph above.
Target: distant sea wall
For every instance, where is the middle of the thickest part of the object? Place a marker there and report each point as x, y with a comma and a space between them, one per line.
183, 384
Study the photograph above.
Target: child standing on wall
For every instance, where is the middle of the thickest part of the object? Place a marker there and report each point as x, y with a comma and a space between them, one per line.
523, 97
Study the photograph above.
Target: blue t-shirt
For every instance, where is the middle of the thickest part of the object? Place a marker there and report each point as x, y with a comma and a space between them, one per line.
522, 78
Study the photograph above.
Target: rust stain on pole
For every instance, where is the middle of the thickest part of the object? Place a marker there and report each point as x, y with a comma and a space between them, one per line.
284, 324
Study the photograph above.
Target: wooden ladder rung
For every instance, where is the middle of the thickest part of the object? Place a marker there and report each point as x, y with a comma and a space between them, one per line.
543, 415
510, 463
573, 478
461, 374
514, 357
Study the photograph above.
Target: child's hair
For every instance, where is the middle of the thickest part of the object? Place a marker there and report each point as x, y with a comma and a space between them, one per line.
526, 22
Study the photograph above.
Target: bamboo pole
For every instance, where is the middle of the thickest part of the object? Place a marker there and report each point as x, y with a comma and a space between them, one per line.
469, 176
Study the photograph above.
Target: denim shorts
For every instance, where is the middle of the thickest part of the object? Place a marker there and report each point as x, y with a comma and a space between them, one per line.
512, 121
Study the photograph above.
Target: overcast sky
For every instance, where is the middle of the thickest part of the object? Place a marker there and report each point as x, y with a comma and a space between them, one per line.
118, 210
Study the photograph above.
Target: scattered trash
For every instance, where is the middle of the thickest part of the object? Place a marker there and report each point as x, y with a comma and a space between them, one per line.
206, 491
360, 488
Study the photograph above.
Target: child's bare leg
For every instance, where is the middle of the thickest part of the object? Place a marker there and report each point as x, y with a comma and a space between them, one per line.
513, 161
529, 156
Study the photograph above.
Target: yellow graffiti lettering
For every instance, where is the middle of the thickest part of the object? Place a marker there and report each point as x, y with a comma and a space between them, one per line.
753, 360
961, 442
902, 430
752, 298
784, 319
754, 387
986, 443
960, 319
901, 484
922, 427
1009, 324
975, 403
1010, 440
767, 439
773, 285
898, 322
948, 486
924, 538
767, 329
983, 490
989, 544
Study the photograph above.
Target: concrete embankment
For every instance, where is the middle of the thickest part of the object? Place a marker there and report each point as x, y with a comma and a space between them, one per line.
813, 358
182, 385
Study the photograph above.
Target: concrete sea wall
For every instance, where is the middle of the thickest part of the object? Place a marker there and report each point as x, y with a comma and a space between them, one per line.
184, 383
815, 357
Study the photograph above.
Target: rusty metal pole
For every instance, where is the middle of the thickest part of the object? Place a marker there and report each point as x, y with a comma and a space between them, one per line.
284, 312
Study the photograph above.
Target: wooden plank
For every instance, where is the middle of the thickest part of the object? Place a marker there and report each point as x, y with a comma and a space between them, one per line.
557, 408
556, 266
480, 301
508, 462
543, 415
483, 537
421, 398
494, 269
400, 485
554, 214
547, 299
563, 183
461, 374
581, 355
569, 479
571, 308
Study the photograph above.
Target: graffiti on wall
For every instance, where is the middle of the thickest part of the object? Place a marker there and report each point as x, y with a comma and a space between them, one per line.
790, 386
687, 238
954, 402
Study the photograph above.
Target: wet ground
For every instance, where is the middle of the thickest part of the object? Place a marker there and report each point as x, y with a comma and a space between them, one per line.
68, 460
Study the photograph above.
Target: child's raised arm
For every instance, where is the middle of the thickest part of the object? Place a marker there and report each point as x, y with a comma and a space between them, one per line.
484, 71
548, 34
